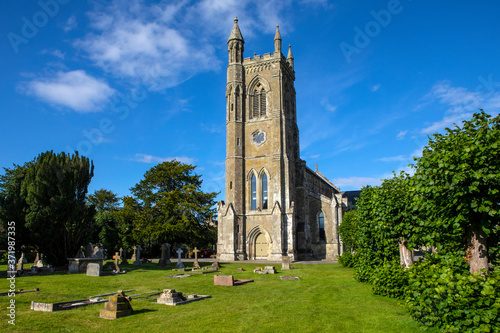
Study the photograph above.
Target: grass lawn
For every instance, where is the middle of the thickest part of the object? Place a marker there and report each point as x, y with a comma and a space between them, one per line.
325, 299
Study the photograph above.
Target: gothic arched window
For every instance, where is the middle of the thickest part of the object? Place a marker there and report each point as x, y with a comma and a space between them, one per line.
258, 102
254, 192
321, 224
264, 192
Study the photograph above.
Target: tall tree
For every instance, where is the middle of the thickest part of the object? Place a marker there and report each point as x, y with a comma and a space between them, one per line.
53, 192
457, 182
171, 205
104, 200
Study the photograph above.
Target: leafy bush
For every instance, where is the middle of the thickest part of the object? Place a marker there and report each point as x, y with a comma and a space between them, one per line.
390, 279
347, 259
442, 293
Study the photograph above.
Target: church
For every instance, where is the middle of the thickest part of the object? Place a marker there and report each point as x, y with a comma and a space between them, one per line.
274, 204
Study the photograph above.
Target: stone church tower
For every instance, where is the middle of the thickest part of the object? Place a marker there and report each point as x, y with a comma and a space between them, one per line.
275, 205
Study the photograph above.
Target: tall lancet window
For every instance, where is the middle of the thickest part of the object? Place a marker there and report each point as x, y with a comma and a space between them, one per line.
255, 104
264, 192
254, 192
321, 223
262, 103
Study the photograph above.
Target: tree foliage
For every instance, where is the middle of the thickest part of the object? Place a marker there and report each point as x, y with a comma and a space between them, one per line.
451, 204
47, 200
457, 185
171, 207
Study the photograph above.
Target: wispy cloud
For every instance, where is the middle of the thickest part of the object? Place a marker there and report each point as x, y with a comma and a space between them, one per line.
401, 135
356, 182
75, 90
461, 103
157, 44
71, 24
328, 106
56, 53
375, 87
144, 158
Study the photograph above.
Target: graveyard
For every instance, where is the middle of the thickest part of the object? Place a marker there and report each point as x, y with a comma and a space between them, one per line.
307, 298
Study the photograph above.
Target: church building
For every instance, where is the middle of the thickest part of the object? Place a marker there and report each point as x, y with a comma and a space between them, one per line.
275, 205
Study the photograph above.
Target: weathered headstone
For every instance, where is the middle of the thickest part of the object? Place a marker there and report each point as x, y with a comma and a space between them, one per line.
79, 254
137, 252
170, 297
215, 266
116, 257
89, 250
20, 263
266, 270
165, 254
179, 262
228, 280
93, 269
196, 264
36, 260
40, 262
25, 261
98, 254
123, 255
285, 262
117, 306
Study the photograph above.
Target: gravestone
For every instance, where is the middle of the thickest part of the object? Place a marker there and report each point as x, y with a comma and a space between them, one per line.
25, 261
93, 269
165, 254
36, 260
97, 254
228, 281
170, 297
79, 254
40, 262
266, 270
179, 262
116, 257
123, 255
20, 263
196, 264
137, 252
117, 306
134, 254
285, 262
89, 250
215, 266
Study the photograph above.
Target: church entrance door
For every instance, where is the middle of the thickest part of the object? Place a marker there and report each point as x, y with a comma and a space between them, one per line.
261, 247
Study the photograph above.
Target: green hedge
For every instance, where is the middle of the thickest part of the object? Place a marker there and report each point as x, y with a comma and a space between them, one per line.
441, 292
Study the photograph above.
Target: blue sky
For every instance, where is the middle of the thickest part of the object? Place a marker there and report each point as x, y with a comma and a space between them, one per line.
133, 83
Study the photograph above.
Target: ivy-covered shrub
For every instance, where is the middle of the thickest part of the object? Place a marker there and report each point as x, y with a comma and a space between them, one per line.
390, 279
364, 265
347, 259
442, 293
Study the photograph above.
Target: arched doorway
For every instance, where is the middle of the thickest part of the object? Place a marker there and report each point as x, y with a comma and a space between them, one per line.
261, 247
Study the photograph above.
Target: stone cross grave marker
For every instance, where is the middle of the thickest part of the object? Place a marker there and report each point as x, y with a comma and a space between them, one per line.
165, 254
116, 257
137, 252
179, 262
133, 254
196, 264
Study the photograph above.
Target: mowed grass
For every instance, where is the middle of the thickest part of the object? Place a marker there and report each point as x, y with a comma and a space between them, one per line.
325, 299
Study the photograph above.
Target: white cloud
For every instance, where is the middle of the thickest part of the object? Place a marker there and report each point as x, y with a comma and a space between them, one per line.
399, 158
401, 135
75, 90
375, 87
70, 24
56, 53
163, 44
144, 158
356, 182
328, 106
461, 104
